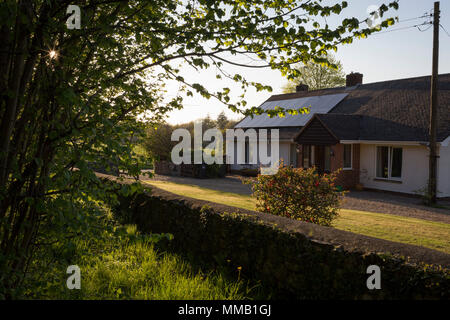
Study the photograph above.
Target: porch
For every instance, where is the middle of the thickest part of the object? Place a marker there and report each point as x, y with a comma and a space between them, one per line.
327, 158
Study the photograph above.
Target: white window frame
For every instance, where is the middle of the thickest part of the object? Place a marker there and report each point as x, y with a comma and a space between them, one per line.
390, 153
351, 157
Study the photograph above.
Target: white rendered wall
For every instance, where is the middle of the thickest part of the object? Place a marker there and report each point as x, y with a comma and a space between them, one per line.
443, 181
414, 169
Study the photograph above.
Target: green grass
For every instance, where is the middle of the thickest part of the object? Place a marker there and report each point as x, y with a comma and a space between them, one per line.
434, 235
193, 191
425, 233
127, 265
137, 271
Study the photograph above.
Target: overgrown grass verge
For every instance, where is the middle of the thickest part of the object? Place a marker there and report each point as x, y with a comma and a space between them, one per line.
138, 271
434, 235
120, 263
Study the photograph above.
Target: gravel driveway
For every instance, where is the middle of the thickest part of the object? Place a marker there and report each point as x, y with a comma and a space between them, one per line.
374, 201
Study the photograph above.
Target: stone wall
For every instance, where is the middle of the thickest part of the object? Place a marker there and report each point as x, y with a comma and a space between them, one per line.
295, 259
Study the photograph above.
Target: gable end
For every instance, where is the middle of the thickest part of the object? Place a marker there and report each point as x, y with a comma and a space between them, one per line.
316, 133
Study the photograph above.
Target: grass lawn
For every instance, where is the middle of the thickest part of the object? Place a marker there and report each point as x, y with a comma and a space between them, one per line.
129, 267
434, 235
138, 271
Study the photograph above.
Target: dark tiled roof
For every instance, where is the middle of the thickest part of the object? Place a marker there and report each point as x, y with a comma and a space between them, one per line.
358, 127
342, 126
303, 94
396, 110
285, 133
288, 133
372, 128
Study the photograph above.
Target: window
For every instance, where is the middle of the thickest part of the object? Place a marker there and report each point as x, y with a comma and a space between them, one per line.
347, 156
396, 162
382, 162
306, 156
389, 162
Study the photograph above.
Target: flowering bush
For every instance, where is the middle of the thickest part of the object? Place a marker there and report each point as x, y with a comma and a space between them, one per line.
298, 193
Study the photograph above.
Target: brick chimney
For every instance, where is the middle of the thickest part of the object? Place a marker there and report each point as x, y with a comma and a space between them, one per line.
301, 87
353, 79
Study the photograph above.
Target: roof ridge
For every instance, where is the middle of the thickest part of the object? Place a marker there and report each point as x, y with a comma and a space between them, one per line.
402, 79
343, 88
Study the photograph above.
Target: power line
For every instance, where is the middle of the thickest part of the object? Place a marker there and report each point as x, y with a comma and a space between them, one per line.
425, 15
404, 28
431, 24
448, 34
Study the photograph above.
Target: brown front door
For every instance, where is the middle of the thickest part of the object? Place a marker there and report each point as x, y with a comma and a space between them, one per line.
319, 158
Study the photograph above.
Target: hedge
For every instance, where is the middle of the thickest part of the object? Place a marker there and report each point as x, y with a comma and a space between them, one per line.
295, 259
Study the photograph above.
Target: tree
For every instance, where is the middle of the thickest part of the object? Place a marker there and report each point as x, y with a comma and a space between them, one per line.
73, 96
207, 123
318, 76
158, 141
222, 121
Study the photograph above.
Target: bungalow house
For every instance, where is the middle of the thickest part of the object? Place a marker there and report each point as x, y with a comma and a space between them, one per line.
377, 132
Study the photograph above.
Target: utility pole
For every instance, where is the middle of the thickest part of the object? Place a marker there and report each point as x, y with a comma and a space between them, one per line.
432, 183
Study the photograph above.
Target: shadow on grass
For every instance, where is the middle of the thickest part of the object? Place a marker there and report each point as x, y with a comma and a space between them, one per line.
251, 288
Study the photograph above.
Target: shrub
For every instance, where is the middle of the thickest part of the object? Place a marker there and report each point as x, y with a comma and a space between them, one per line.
298, 193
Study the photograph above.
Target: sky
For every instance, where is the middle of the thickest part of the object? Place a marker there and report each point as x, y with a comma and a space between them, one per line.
397, 54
